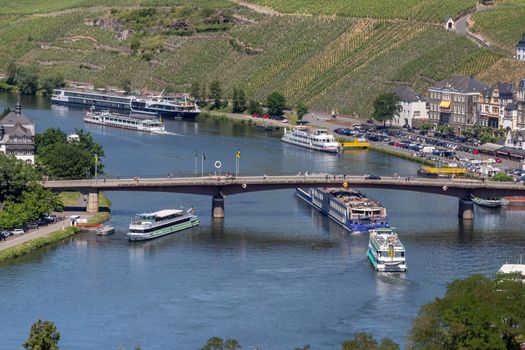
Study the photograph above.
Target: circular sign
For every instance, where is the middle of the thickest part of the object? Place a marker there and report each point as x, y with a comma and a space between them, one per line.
218, 164
345, 184
244, 186
445, 188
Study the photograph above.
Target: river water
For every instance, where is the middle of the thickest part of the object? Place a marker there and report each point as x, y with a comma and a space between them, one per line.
273, 273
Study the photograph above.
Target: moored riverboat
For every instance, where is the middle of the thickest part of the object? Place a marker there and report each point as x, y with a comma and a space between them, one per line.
315, 139
349, 208
165, 106
385, 251
130, 122
164, 222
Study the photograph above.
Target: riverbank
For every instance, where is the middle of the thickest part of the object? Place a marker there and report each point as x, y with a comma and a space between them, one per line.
242, 119
400, 154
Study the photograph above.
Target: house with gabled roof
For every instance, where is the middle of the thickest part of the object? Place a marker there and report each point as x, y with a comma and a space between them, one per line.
413, 107
520, 49
17, 136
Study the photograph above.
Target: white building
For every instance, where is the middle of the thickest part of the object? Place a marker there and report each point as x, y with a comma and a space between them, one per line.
17, 136
413, 107
449, 23
520, 49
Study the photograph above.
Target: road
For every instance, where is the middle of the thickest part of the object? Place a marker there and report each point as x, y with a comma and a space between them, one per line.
45, 231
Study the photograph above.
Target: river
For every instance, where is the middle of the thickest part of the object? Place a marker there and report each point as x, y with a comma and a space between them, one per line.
273, 273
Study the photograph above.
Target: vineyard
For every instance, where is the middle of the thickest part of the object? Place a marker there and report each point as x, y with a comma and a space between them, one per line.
330, 62
502, 24
419, 10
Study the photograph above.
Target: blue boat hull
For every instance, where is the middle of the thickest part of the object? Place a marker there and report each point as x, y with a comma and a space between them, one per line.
352, 227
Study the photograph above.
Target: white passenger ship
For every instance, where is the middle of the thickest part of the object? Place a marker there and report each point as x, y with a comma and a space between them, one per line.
385, 251
316, 139
165, 106
152, 225
131, 122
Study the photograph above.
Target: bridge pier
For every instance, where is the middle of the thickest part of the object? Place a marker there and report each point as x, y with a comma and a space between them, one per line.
92, 202
217, 206
466, 209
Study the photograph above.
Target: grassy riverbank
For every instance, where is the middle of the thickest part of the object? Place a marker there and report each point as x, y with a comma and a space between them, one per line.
402, 155
37, 243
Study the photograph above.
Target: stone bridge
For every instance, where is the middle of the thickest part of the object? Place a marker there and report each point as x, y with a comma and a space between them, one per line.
220, 186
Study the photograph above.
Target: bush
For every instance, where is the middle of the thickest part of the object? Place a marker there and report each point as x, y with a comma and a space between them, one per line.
501, 177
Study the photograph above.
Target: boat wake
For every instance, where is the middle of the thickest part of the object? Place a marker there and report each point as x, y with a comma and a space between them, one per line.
165, 133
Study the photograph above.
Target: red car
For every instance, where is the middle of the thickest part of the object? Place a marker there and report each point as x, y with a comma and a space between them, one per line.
266, 116
475, 151
498, 160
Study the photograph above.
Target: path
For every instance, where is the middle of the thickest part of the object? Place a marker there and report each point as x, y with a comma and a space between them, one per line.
45, 231
263, 10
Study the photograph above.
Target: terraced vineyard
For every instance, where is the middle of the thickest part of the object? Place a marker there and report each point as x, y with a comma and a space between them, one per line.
330, 62
503, 24
421, 10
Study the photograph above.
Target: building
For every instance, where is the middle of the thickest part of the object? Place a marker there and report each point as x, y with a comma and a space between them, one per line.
413, 107
493, 104
456, 101
520, 106
17, 136
449, 23
520, 49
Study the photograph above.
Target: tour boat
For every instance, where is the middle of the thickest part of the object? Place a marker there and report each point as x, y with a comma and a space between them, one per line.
385, 251
164, 222
131, 122
349, 208
165, 106
316, 139
492, 202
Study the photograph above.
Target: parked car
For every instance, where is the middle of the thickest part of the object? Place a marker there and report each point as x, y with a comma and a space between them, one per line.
372, 177
32, 225
17, 231
42, 222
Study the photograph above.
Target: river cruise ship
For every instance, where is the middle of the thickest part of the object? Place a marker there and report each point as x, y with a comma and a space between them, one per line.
131, 122
385, 251
316, 139
169, 107
349, 208
164, 222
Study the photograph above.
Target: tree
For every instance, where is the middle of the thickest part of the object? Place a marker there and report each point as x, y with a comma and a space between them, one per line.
49, 137
445, 129
365, 341
67, 161
42, 336
301, 110
26, 79
254, 107
15, 175
426, 126
386, 107
501, 177
11, 73
238, 101
125, 84
195, 91
216, 343
50, 82
216, 93
275, 103
475, 313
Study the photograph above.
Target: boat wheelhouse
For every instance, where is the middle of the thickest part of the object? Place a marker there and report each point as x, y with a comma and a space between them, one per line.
348, 207
164, 222
316, 139
131, 122
164, 106
385, 251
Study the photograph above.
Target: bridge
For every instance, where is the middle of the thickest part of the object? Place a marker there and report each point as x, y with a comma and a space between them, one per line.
221, 186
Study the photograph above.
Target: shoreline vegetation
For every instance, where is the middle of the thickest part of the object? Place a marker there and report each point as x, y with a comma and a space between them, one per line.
60, 235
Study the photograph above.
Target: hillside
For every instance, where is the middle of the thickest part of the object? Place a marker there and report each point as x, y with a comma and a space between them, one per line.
331, 62
502, 24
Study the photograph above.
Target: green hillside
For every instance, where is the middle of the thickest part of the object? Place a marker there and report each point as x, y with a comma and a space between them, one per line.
330, 62
421, 10
502, 24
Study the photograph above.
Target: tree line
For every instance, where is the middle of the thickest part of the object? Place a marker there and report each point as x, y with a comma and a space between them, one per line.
475, 313
22, 198
215, 97
29, 80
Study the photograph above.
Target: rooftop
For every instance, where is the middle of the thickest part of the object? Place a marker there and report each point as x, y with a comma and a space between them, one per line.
407, 94
521, 43
461, 83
